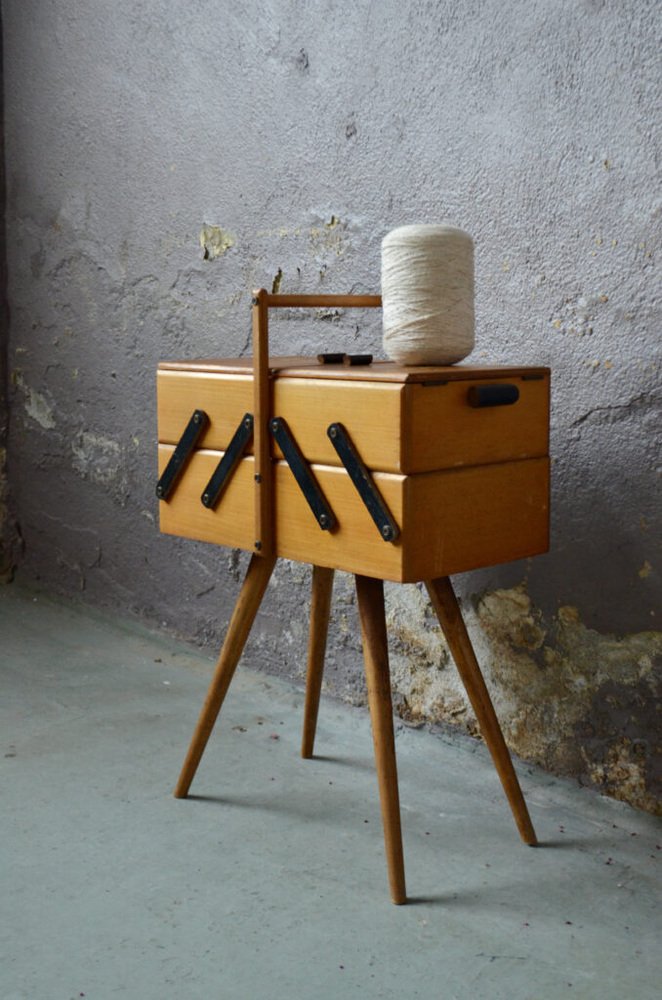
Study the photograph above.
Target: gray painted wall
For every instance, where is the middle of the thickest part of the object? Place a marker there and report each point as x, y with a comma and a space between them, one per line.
304, 132
9, 538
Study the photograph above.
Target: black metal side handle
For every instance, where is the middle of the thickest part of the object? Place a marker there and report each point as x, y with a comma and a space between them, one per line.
183, 450
493, 395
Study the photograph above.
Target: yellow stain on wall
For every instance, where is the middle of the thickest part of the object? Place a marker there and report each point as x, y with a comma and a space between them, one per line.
215, 241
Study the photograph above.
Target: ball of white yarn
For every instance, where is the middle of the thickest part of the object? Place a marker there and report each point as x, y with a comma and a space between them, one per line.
428, 294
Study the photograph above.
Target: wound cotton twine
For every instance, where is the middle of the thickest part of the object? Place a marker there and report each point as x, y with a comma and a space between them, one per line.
428, 294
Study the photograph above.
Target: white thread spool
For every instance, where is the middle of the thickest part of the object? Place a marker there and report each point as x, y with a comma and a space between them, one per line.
428, 294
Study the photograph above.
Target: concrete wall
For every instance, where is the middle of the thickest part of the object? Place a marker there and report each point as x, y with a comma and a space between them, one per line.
9, 539
164, 158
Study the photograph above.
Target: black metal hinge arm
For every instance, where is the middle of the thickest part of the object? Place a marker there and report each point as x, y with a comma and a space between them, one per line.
223, 471
183, 450
303, 474
363, 481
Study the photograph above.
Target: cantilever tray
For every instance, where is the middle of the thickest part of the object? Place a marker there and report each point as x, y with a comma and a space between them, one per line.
453, 462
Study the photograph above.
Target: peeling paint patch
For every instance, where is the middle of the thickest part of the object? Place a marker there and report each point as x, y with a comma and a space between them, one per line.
96, 458
36, 405
621, 774
576, 317
575, 701
424, 688
215, 241
329, 236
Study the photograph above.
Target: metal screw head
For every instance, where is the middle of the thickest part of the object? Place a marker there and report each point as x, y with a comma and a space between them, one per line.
333, 431
255, 301
257, 477
248, 422
387, 532
258, 545
205, 499
275, 424
159, 491
323, 520
196, 418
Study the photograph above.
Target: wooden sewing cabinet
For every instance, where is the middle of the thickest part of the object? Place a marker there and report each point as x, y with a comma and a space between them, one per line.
386, 472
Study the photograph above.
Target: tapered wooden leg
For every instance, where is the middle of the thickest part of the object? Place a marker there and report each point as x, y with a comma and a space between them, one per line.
370, 594
250, 597
450, 618
320, 609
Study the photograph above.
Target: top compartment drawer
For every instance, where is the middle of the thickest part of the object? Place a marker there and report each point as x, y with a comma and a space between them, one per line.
405, 425
464, 422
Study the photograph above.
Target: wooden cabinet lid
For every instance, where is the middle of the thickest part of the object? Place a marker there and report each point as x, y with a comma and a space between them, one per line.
377, 371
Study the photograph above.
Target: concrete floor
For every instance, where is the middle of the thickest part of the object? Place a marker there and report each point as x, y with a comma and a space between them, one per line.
270, 881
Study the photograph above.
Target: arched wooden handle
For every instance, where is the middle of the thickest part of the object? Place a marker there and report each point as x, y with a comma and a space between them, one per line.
262, 302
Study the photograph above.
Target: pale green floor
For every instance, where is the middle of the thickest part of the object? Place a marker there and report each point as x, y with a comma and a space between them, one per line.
270, 882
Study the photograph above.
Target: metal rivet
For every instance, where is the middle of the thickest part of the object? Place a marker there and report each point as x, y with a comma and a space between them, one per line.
258, 546
333, 431
257, 477
205, 499
387, 532
159, 491
275, 424
323, 520
248, 422
255, 301
196, 418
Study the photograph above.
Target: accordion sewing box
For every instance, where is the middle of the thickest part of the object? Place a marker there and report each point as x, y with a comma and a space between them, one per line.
458, 455
387, 472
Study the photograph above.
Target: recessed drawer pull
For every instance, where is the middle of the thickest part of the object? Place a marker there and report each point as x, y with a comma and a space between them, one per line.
493, 395
197, 424
363, 481
227, 465
303, 474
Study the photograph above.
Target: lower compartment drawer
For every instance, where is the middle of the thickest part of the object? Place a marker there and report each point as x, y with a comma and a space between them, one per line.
450, 521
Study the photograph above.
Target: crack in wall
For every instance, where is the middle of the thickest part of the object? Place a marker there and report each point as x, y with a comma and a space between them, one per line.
610, 414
